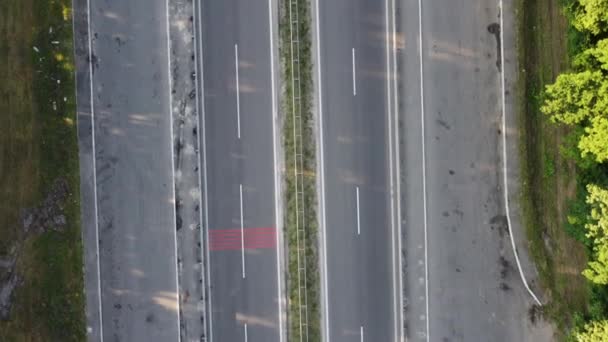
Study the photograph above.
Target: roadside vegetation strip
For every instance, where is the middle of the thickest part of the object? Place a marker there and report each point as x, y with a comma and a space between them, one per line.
38, 149
545, 188
556, 201
312, 330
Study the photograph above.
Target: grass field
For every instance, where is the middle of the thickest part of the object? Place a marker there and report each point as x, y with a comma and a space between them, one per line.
549, 180
311, 332
38, 145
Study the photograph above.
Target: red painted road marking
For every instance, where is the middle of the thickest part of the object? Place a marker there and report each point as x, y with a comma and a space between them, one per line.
230, 239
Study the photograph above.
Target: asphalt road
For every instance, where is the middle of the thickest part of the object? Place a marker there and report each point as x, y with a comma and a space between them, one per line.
461, 280
359, 286
241, 209
133, 171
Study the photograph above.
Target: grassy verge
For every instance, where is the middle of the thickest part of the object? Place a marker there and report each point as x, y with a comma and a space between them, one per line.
309, 183
549, 178
38, 145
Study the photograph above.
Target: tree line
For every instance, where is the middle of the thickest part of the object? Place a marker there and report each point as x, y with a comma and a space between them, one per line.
579, 99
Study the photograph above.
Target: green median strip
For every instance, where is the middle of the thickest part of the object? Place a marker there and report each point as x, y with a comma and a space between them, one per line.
303, 301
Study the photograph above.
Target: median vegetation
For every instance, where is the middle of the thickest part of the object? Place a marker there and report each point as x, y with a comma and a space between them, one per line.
310, 332
564, 131
40, 244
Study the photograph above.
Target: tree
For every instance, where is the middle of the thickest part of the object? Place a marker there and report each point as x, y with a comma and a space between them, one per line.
592, 16
575, 97
581, 99
597, 269
595, 139
595, 331
594, 58
597, 198
597, 231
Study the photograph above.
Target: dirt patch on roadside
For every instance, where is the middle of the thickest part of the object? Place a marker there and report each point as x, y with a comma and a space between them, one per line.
47, 216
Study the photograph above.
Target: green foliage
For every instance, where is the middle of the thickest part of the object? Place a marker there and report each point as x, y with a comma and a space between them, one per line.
578, 216
595, 140
592, 16
596, 331
575, 97
594, 58
598, 308
597, 230
598, 201
597, 269
581, 99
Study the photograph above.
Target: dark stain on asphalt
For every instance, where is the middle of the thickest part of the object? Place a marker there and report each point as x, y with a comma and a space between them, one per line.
458, 212
443, 124
534, 313
119, 42
501, 223
178, 223
94, 60
505, 266
150, 318
494, 28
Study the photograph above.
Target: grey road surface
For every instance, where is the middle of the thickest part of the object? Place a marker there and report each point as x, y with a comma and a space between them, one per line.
241, 212
452, 137
360, 302
132, 181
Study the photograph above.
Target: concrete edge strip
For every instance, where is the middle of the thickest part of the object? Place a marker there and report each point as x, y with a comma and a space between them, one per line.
316, 42
173, 169
390, 111
93, 152
277, 187
201, 117
504, 153
202, 166
426, 254
400, 317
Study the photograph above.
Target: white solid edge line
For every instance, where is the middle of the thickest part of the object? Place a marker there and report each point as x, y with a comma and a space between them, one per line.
276, 173
246, 334
200, 168
179, 337
238, 95
322, 180
242, 231
504, 155
361, 333
426, 255
390, 162
354, 75
398, 178
91, 100
204, 151
358, 214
